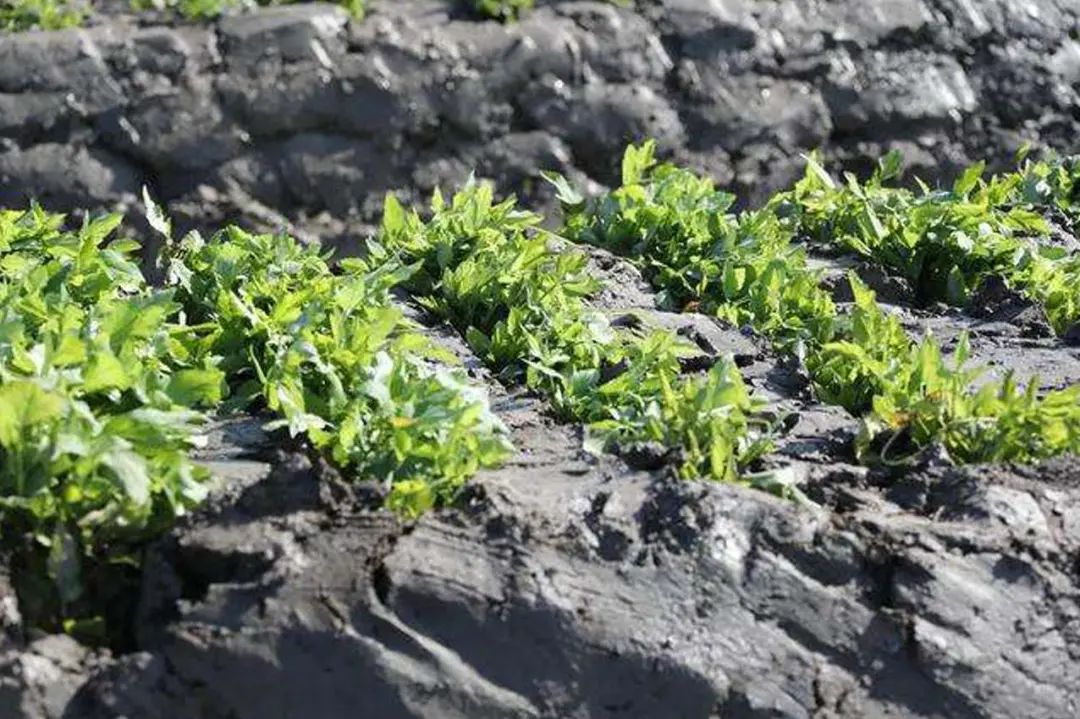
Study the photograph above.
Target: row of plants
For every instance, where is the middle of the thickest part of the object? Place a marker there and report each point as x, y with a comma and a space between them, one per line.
18, 15
511, 10
106, 383
100, 386
749, 268
518, 296
328, 351
946, 242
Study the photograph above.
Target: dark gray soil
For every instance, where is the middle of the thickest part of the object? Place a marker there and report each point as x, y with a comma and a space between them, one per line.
296, 114
565, 585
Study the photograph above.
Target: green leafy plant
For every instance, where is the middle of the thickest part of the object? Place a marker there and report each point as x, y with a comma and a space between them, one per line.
501, 9
849, 370
99, 382
747, 269
518, 296
16, 15
699, 256
940, 240
210, 9
928, 401
946, 242
106, 383
1052, 183
912, 397
511, 10
709, 422
331, 354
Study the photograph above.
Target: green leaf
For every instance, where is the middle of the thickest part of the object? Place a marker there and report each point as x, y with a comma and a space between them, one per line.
478, 341
197, 387
817, 170
24, 404
565, 193
393, 215
969, 179
137, 318
105, 372
132, 472
637, 161
891, 166
156, 216
734, 280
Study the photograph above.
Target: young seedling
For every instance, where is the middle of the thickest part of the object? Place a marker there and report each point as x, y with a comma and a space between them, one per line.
518, 296
747, 268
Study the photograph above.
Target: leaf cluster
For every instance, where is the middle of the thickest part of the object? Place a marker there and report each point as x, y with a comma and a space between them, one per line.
678, 228
518, 296
930, 401
99, 382
946, 242
699, 255
104, 382
512, 10
17, 15
330, 353
211, 9
504, 10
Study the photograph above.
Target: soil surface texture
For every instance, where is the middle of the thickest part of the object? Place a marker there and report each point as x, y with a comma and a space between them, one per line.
566, 585
299, 115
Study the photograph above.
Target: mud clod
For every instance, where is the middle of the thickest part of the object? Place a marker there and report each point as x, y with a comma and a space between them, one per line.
563, 584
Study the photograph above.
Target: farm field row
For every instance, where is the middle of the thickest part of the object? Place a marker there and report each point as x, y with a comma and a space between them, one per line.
17, 15
752, 268
106, 381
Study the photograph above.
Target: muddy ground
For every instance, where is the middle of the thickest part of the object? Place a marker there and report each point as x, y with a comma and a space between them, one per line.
566, 586
297, 114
